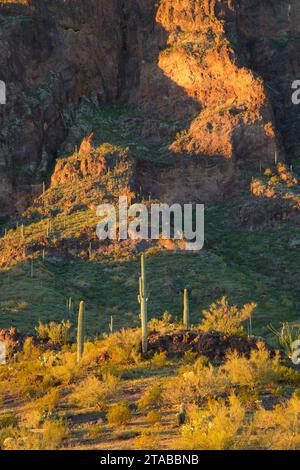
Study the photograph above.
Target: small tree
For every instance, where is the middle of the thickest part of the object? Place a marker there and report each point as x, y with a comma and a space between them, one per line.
226, 319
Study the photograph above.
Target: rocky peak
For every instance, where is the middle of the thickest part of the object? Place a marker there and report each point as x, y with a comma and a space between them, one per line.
221, 69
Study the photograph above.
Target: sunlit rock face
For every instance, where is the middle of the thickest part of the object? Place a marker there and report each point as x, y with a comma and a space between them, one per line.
220, 68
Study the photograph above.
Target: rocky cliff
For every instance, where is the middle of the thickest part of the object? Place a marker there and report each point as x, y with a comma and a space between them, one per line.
221, 70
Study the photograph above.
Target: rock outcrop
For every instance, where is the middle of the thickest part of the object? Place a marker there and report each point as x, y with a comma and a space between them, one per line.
212, 344
221, 68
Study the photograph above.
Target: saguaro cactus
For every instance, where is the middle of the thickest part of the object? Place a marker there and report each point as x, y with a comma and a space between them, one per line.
143, 301
90, 251
186, 310
70, 306
31, 268
80, 332
111, 324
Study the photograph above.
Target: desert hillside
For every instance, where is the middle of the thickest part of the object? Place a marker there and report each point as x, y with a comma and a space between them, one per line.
161, 102
210, 82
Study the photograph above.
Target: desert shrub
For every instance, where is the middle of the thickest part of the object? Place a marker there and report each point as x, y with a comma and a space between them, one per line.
148, 440
248, 397
50, 437
278, 429
30, 351
197, 382
153, 417
123, 347
189, 357
260, 369
8, 420
64, 369
288, 375
119, 414
217, 427
93, 392
48, 403
163, 325
153, 398
29, 380
32, 419
54, 433
7, 436
91, 353
221, 317
42, 331
55, 333
159, 360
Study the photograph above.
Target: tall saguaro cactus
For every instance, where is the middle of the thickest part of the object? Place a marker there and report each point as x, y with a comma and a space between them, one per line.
186, 310
143, 301
80, 332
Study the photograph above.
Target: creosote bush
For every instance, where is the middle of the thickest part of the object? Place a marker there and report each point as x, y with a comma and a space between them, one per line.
153, 398
153, 417
279, 429
123, 347
147, 440
202, 381
260, 369
95, 392
55, 333
159, 360
54, 433
119, 414
8, 420
49, 402
217, 427
197, 382
63, 368
225, 425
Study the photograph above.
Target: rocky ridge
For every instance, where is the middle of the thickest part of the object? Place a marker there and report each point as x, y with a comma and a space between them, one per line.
221, 70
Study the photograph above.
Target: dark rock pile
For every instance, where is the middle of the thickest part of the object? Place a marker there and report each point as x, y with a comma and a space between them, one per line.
212, 344
13, 340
